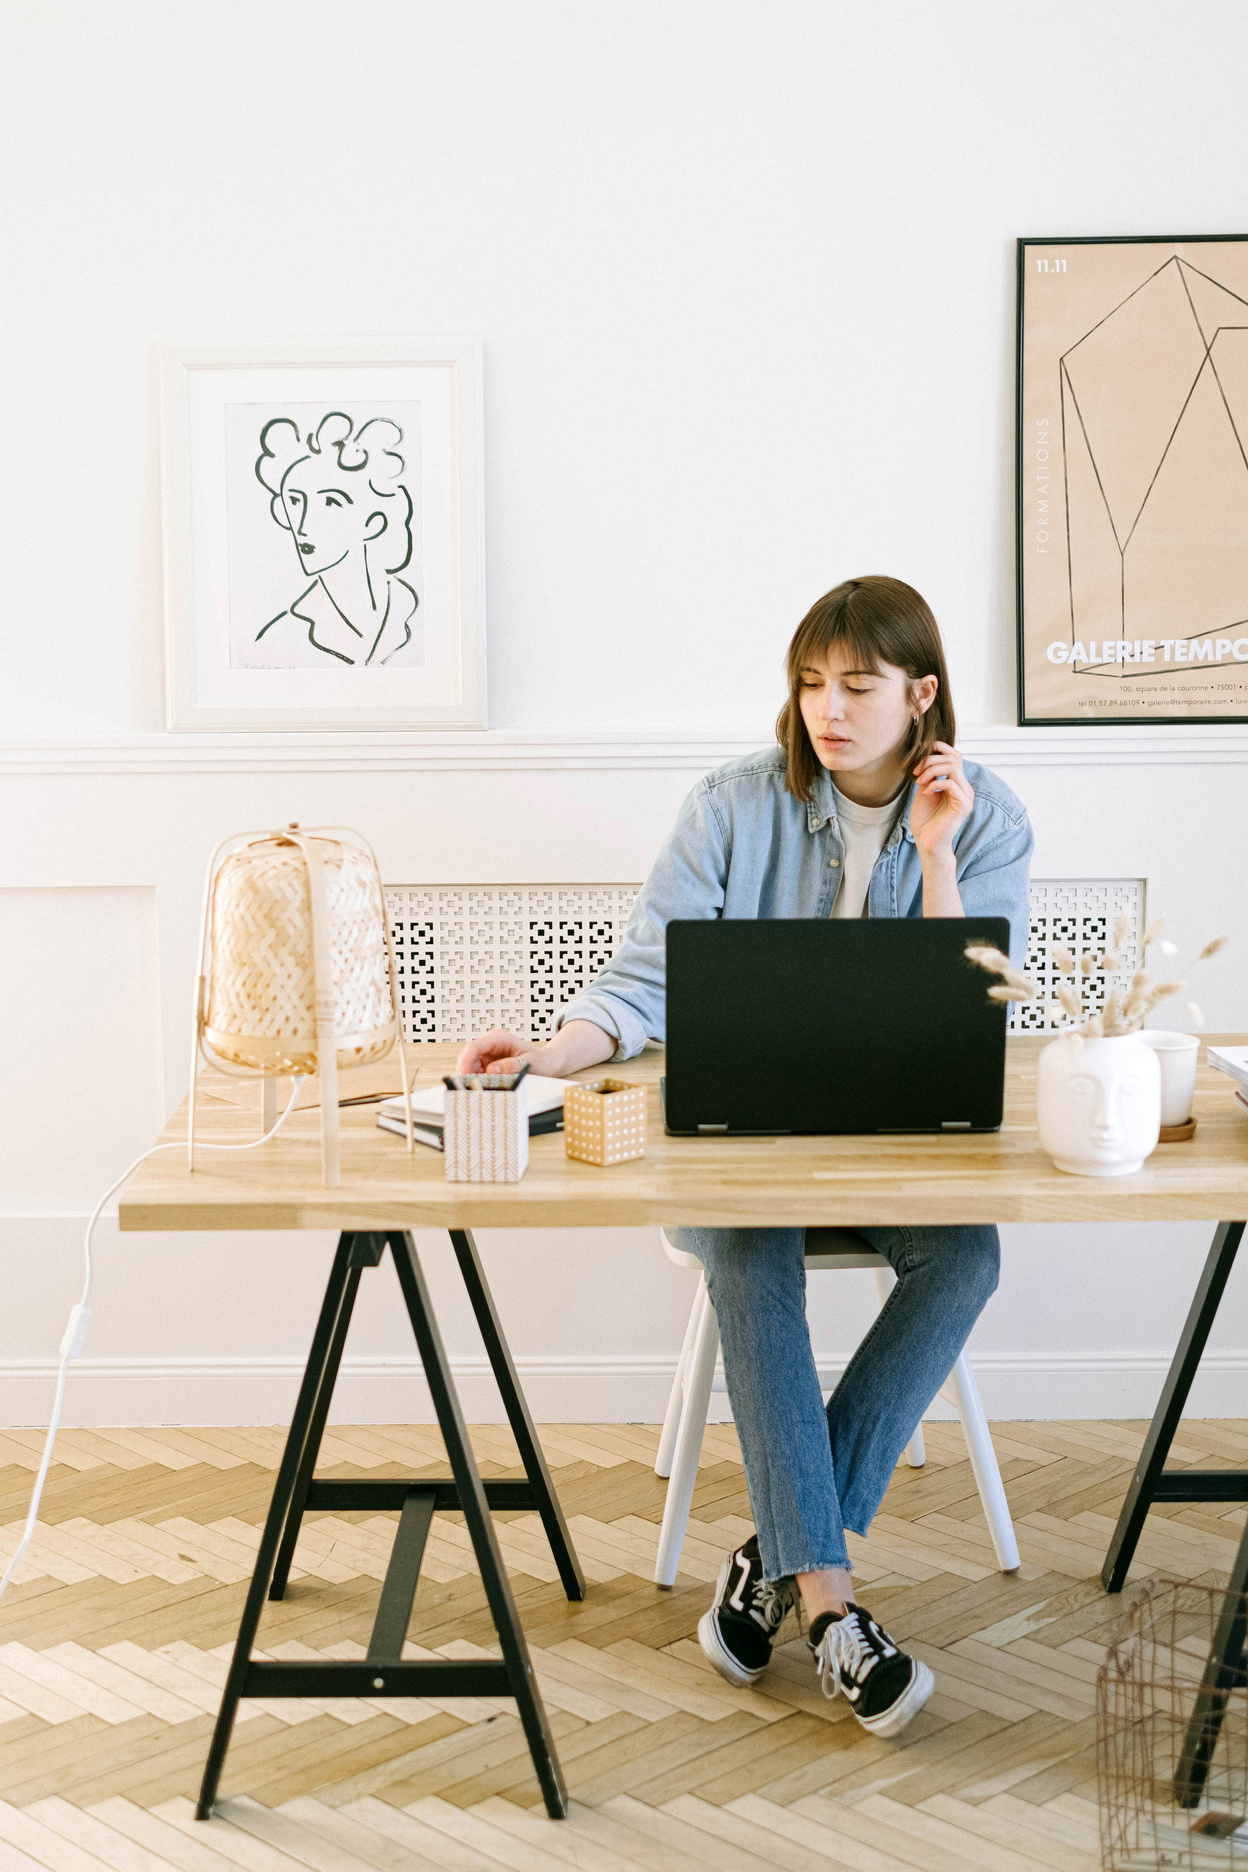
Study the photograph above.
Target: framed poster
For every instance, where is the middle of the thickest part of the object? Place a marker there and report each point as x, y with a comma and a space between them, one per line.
323, 536
1133, 479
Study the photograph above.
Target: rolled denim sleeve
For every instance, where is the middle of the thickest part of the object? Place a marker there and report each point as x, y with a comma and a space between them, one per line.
994, 878
629, 998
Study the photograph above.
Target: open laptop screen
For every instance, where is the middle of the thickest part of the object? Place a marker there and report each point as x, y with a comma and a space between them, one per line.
829, 1026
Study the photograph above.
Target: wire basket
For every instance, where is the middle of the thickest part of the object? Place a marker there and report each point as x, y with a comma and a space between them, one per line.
1172, 1733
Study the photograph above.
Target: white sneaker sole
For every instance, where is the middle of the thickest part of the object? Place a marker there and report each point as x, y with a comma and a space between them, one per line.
892, 1721
720, 1657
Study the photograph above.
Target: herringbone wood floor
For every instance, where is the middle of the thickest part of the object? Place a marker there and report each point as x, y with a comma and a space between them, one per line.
114, 1639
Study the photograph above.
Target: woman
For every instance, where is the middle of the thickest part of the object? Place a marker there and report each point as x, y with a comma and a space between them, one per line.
864, 809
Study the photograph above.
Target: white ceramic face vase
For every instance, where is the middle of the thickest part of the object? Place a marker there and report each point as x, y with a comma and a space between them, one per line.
1098, 1104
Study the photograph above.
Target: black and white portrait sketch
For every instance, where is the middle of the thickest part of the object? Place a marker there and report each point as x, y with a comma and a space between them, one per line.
334, 522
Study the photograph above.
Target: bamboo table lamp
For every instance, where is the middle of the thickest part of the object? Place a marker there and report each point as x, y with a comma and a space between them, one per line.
296, 969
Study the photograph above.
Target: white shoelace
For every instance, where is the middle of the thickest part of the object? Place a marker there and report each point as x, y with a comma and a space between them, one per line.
770, 1607
845, 1654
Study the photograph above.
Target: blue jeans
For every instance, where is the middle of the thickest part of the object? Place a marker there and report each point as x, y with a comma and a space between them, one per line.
813, 1473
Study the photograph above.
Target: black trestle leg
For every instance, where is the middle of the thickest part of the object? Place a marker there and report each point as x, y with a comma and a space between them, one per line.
1144, 1483
518, 1415
357, 1259
283, 1490
521, 1680
1223, 1673
416, 1498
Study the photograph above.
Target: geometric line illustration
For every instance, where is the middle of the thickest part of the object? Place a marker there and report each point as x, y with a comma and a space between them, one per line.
1154, 432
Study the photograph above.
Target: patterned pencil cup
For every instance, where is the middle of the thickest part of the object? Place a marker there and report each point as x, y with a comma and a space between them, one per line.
296, 968
485, 1136
605, 1122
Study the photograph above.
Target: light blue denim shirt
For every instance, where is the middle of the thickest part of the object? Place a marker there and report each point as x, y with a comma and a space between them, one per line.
744, 847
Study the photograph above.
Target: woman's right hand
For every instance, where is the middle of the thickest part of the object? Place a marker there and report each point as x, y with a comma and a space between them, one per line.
579, 1044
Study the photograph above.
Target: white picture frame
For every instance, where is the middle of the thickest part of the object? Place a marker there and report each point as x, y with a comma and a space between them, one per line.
324, 535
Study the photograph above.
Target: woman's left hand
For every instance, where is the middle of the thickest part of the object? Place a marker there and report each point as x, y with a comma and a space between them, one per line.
943, 796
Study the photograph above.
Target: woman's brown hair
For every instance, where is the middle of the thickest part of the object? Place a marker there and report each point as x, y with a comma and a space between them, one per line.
878, 620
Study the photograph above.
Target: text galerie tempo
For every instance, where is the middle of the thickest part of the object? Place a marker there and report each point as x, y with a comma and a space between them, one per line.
1144, 650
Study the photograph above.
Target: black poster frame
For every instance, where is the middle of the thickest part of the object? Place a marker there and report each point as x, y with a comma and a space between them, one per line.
1024, 244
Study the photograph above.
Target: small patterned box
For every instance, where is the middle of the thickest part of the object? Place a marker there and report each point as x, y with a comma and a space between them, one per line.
485, 1135
605, 1122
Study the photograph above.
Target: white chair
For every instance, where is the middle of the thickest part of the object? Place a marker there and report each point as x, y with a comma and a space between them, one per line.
685, 1423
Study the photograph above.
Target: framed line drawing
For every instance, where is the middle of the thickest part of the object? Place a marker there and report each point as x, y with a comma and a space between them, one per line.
323, 535
1132, 488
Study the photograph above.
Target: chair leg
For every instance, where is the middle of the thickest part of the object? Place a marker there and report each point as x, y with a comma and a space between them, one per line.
700, 1377
675, 1403
916, 1454
984, 1463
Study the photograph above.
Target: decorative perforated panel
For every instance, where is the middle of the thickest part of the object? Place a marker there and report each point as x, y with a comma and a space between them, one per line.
1078, 914
472, 957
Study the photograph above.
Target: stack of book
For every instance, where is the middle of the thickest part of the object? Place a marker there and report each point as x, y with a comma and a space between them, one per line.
1233, 1061
544, 1096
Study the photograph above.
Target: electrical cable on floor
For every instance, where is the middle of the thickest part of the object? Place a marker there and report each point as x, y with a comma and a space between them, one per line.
80, 1318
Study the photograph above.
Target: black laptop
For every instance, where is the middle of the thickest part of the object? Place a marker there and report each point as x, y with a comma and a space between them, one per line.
797, 1025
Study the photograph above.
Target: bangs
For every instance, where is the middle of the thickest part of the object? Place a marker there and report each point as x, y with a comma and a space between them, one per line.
820, 632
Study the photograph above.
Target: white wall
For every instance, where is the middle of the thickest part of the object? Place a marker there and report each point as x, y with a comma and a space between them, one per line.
744, 274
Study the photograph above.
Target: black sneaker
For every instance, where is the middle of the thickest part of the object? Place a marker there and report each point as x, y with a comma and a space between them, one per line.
737, 1633
856, 1658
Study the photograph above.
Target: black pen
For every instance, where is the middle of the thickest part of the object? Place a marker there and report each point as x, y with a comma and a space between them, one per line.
520, 1075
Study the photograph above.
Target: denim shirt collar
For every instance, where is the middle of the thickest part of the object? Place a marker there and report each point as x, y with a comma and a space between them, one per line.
821, 810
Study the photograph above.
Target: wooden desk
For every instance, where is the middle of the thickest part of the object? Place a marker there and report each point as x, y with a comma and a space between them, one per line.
744, 1182
719, 1182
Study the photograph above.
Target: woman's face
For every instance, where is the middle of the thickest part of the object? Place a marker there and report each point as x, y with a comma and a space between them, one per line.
856, 718
326, 521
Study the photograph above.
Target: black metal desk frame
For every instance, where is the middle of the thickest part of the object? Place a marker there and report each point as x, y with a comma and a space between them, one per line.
384, 1670
1152, 1481
1227, 1668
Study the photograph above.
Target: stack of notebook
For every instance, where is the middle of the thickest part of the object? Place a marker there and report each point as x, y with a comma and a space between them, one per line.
1233, 1061
544, 1098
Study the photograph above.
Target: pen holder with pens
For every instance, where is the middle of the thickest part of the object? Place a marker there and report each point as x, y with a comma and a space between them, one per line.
604, 1122
485, 1134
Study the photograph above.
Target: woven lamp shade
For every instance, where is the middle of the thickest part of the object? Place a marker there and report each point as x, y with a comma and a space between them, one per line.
296, 969
261, 1009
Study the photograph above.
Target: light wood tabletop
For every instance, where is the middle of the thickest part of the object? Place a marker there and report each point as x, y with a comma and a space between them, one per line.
1001, 1176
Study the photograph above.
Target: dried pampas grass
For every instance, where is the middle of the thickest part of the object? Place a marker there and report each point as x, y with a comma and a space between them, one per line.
1127, 1005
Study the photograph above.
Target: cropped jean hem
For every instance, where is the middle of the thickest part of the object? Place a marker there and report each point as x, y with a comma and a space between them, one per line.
810, 1566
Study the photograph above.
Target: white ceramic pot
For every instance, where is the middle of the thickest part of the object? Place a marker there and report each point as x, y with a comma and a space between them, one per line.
1098, 1104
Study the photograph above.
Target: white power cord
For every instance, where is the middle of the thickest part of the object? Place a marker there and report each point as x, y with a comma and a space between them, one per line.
80, 1319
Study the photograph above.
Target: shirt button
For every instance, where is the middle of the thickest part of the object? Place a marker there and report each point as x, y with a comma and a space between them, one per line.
832, 863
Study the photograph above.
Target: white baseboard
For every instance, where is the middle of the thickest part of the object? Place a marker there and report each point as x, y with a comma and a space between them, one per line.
624, 1389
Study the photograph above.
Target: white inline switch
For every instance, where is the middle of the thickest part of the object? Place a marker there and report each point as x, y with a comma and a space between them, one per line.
75, 1332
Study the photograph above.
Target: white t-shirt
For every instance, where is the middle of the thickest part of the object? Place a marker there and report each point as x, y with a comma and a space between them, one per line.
864, 831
